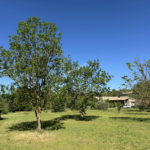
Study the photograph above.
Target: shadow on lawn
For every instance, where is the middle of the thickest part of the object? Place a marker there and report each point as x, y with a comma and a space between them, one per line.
138, 113
131, 110
46, 125
78, 117
130, 118
54, 124
3, 118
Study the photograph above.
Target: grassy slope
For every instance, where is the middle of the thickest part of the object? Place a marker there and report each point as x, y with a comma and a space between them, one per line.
107, 131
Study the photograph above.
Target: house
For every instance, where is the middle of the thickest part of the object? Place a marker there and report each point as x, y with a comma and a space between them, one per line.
130, 102
123, 98
99, 99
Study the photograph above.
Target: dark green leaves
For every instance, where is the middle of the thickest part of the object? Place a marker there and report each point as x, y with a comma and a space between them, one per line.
82, 81
34, 59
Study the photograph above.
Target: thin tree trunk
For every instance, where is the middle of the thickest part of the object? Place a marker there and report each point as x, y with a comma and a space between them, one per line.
82, 113
36, 114
39, 121
38, 117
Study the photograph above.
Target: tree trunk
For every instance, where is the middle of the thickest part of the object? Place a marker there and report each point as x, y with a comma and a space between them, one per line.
39, 121
82, 113
38, 117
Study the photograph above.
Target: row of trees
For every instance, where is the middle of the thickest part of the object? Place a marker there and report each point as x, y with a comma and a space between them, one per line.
36, 63
115, 92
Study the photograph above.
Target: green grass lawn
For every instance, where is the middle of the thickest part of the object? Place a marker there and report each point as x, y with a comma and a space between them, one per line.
100, 130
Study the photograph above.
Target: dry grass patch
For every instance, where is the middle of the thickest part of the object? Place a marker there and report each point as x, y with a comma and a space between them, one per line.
34, 136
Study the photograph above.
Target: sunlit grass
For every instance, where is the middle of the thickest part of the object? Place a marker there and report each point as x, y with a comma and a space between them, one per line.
100, 130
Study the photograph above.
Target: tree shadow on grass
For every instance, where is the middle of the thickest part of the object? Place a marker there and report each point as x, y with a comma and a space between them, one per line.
78, 117
132, 118
3, 118
131, 110
138, 113
54, 124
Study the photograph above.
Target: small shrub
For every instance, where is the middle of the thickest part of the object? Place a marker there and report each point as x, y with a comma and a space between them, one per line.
101, 106
58, 105
111, 105
141, 107
119, 106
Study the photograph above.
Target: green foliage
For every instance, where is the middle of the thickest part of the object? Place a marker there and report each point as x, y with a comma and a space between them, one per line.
20, 101
111, 105
59, 100
84, 82
111, 93
58, 105
139, 81
119, 106
3, 106
101, 106
34, 61
16, 99
124, 90
115, 92
142, 106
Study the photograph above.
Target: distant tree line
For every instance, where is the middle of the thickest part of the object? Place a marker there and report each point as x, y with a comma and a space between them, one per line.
115, 92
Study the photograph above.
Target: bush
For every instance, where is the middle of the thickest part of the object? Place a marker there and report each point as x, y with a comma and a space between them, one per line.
58, 105
18, 101
58, 101
111, 105
141, 107
101, 106
20, 104
119, 106
3, 106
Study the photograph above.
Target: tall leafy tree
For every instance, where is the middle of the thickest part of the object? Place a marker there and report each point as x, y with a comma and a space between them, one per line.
139, 81
87, 79
33, 61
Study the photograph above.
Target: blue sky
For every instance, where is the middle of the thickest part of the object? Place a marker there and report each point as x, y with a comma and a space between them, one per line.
113, 31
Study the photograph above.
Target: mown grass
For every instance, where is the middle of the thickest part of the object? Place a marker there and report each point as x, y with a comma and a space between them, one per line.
100, 130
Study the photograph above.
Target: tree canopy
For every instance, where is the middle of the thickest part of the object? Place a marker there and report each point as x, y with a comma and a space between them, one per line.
83, 82
139, 81
33, 61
